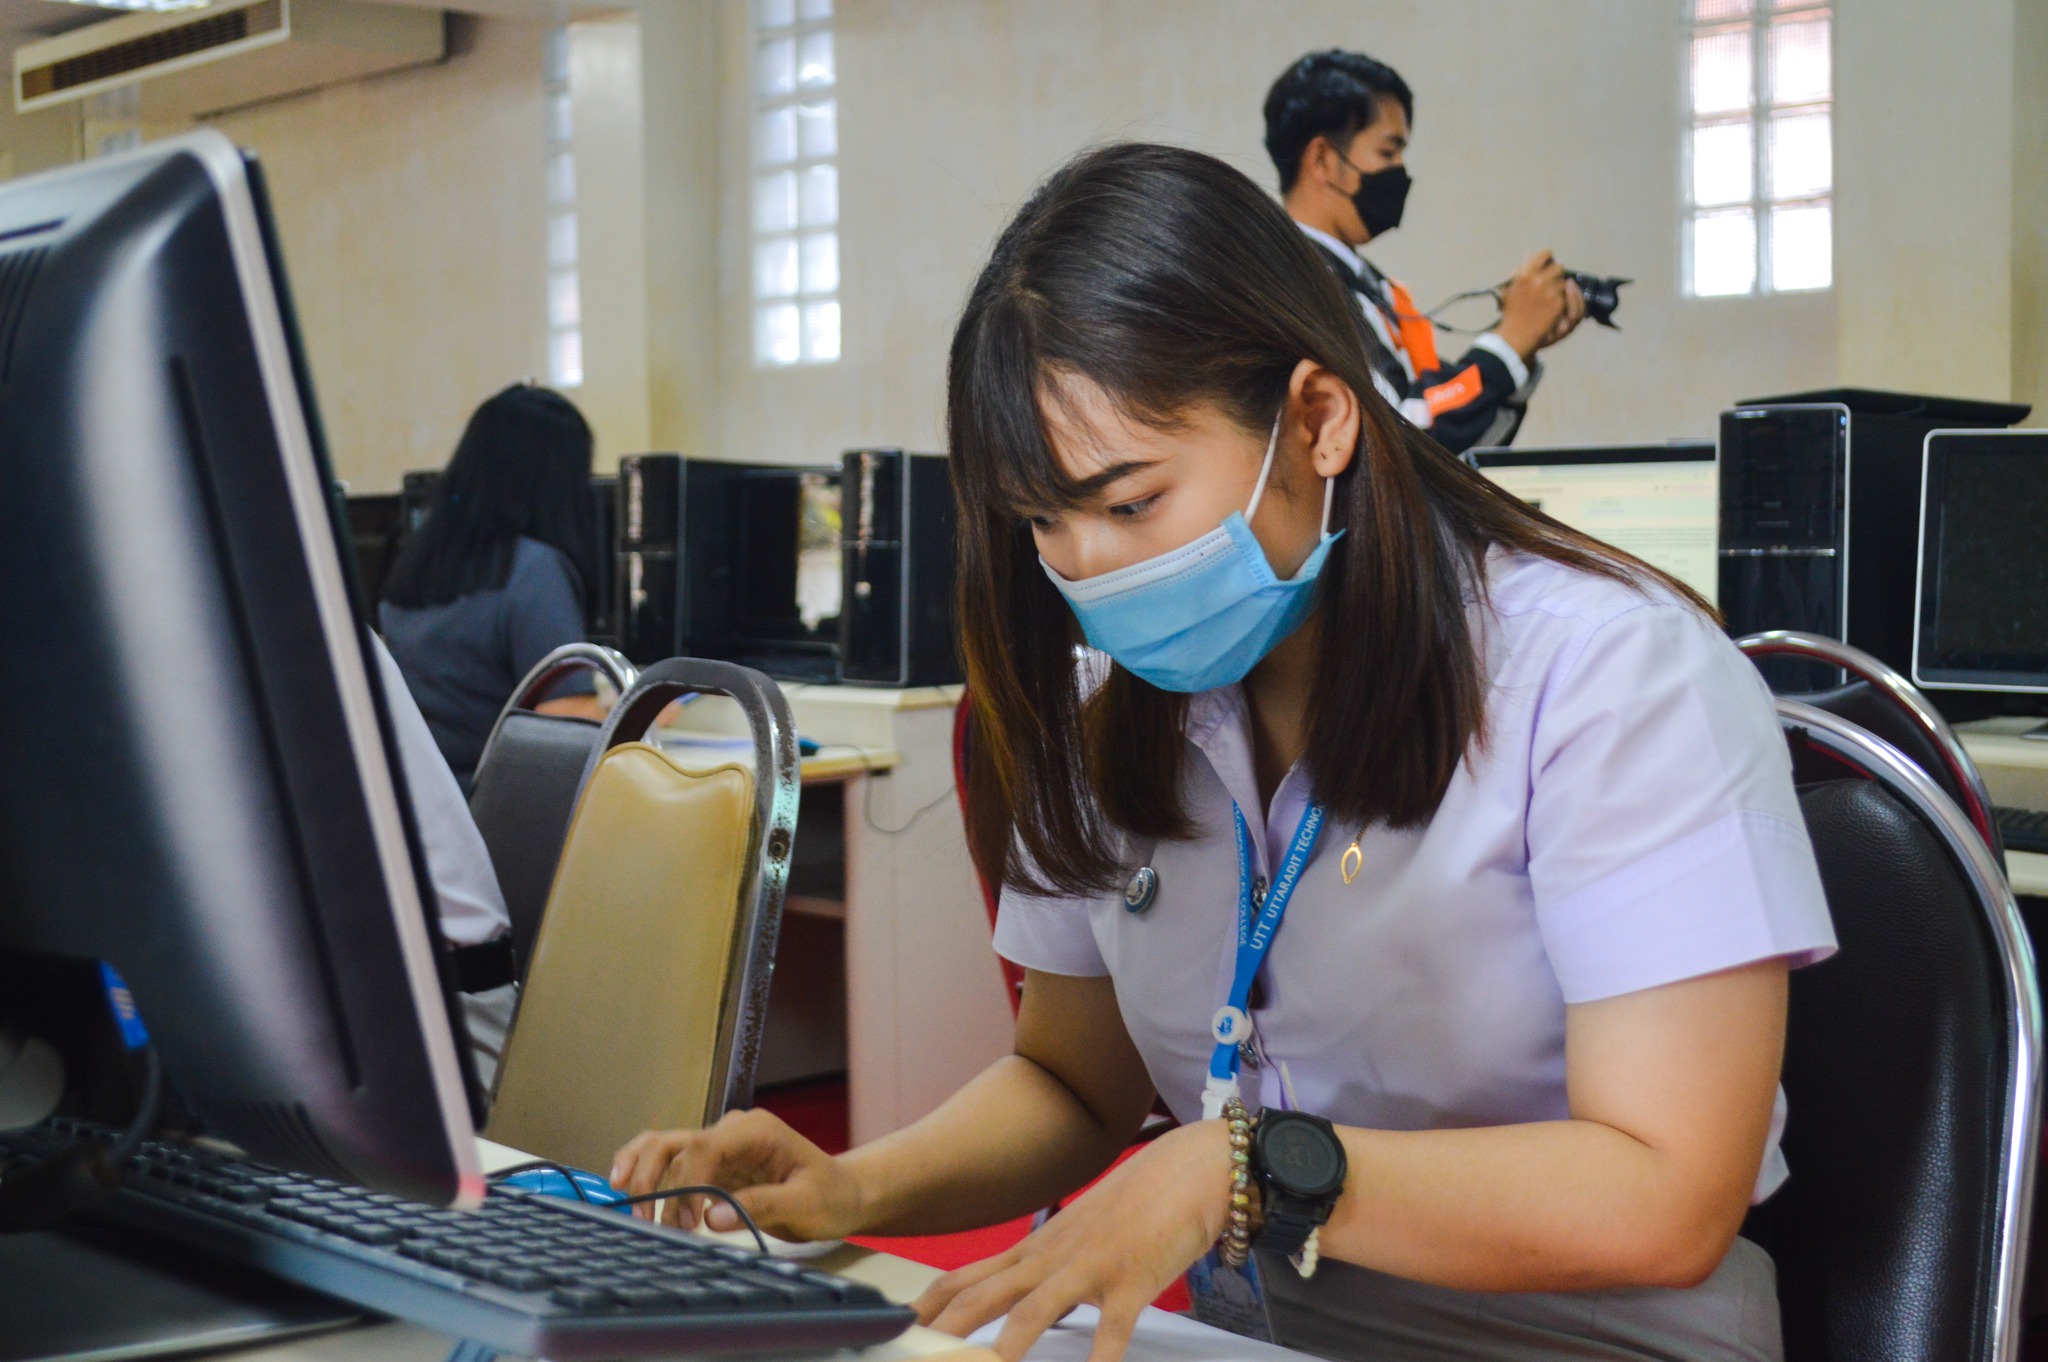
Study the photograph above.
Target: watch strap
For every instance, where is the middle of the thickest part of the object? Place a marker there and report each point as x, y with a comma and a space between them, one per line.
1288, 1224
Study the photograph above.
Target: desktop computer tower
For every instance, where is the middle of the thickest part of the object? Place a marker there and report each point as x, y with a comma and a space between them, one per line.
1820, 497
604, 596
734, 561
647, 572
896, 625
416, 498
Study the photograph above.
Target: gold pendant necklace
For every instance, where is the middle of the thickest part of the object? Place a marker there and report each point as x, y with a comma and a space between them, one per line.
1354, 859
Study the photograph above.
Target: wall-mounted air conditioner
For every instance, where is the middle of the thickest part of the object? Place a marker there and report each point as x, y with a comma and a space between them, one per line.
226, 54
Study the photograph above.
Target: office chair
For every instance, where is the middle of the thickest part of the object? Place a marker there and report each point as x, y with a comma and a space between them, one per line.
1912, 1069
527, 780
1891, 708
648, 990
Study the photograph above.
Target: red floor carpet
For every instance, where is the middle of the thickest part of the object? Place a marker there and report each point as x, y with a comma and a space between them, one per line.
817, 1111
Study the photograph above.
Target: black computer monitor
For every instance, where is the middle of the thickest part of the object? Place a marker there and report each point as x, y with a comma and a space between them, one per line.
1982, 624
198, 782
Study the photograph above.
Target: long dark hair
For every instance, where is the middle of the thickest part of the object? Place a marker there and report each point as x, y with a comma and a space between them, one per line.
521, 469
1167, 278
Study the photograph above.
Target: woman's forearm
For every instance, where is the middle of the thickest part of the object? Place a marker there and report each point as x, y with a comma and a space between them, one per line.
1554, 1206
1013, 1141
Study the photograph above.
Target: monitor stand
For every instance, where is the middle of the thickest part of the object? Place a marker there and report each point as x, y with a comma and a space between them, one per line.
90, 1292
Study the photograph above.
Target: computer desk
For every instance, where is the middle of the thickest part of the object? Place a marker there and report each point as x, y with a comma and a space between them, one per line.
897, 1278
2015, 771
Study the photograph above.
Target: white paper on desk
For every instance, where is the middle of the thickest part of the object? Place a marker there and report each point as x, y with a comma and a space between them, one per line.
1161, 1336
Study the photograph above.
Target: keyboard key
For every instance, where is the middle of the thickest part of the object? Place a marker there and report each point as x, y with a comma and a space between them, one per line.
368, 1232
697, 1296
518, 1278
580, 1297
643, 1297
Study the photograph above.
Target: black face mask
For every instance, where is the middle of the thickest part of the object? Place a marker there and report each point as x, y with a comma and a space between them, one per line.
1380, 197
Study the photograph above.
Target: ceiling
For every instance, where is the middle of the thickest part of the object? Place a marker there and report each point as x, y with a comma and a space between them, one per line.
22, 20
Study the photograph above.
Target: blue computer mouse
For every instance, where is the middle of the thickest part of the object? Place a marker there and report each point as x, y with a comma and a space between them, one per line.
548, 1182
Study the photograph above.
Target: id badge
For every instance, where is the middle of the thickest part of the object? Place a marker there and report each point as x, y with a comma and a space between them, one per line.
1232, 1298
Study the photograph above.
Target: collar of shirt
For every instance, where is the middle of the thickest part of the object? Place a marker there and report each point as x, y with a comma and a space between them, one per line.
1219, 727
1344, 253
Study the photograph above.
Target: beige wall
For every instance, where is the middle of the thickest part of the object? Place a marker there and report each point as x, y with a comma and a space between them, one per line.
409, 207
37, 141
2030, 207
1924, 182
1556, 125
679, 93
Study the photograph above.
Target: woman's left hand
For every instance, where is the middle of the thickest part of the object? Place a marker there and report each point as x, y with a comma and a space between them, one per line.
1116, 1248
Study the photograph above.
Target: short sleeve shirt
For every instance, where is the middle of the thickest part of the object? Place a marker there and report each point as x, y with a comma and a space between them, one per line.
462, 660
1627, 821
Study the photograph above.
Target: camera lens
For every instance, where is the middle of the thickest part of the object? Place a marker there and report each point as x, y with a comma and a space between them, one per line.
1602, 295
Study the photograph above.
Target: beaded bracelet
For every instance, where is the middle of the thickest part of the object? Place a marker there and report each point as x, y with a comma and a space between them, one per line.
1237, 1231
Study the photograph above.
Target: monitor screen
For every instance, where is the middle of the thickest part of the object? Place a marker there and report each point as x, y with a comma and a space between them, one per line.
1658, 502
1983, 617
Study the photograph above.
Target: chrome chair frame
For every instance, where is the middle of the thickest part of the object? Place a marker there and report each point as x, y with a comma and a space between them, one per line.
1976, 804
777, 786
1878, 760
570, 657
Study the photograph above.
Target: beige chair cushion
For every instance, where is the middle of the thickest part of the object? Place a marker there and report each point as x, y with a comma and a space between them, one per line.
625, 1000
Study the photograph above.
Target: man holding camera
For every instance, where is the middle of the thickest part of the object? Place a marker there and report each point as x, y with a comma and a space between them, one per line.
1337, 128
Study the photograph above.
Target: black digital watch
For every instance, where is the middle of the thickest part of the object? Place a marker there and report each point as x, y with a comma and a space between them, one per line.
1300, 1166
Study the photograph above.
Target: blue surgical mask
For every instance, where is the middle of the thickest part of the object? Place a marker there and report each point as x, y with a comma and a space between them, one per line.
1202, 615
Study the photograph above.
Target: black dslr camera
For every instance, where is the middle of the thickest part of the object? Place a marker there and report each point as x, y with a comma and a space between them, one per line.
1602, 295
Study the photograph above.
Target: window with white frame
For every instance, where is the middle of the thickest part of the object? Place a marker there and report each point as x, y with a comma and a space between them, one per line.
796, 184
565, 291
1760, 148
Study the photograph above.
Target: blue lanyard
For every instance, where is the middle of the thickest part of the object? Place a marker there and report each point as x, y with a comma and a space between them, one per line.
1257, 923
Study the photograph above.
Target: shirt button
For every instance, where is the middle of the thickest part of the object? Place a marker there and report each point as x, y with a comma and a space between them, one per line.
1142, 889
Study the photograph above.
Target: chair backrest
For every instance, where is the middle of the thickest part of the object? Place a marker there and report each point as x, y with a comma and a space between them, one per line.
1878, 699
527, 781
649, 984
1912, 1070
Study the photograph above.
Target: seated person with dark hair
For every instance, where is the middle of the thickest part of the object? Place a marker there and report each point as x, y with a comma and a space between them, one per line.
500, 575
1337, 126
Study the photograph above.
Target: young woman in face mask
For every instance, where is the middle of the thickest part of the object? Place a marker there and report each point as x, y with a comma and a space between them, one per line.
1438, 866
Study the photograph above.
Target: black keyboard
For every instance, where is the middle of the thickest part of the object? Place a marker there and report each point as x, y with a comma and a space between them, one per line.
528, 1274
2022, 829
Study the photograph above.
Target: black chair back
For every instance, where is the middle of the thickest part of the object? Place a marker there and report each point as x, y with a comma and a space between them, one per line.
525, 793
527, 782
1879, 700
1912, 1072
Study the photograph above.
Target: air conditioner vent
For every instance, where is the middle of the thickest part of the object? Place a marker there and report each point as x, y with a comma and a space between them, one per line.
139, 54
191, 64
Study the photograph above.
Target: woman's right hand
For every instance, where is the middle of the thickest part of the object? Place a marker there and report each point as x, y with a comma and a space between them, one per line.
793, 1189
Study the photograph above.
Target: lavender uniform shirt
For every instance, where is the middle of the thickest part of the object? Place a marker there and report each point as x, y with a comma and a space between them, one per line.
1627, 821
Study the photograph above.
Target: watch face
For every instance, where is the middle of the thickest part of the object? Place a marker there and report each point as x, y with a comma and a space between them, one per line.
1302, 1156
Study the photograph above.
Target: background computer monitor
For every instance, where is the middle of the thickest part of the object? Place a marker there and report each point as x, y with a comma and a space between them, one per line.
1658, 502
1982, 622
197, 779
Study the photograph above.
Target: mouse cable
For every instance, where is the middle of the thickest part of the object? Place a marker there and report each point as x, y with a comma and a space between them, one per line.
667, 1193
537, 1165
